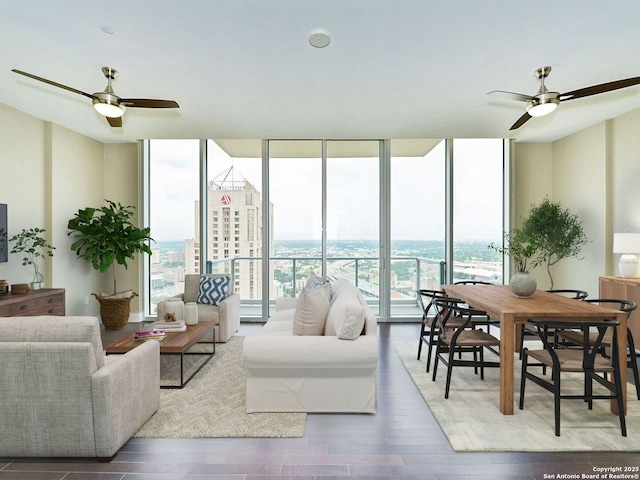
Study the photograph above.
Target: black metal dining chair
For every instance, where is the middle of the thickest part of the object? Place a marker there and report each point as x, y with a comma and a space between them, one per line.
570, 293
627, 306
587, 360
429, 327
484, 320
461, 340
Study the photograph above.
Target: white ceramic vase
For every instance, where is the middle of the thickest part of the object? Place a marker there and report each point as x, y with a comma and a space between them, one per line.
523, 284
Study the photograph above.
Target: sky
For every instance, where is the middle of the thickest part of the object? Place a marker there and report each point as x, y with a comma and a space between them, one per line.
417, 192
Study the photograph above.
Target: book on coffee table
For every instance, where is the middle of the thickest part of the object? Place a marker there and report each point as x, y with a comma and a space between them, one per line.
155, 334
179, 326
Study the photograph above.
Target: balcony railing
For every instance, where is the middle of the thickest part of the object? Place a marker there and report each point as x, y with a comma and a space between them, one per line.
288, 276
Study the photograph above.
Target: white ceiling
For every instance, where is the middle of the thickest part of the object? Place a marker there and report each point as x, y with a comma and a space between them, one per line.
393, 69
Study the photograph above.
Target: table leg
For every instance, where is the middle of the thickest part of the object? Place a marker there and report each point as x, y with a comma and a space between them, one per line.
621, 331
507, 349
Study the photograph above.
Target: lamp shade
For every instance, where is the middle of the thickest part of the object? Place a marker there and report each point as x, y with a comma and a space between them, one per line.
626, 243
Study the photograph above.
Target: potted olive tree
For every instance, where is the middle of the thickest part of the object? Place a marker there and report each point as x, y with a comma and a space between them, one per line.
548, 234
107, 236
32, 244
555, 231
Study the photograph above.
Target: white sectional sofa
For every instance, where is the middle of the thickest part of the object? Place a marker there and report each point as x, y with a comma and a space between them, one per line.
313, 369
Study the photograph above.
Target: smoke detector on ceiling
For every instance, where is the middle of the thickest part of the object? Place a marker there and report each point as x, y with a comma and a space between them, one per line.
319, 37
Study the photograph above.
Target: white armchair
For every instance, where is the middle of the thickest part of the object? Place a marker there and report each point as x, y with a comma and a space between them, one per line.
226, 315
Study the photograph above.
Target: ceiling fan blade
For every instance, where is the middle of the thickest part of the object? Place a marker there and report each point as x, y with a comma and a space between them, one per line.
114, 121
521, 121
511, 95
148, 103
602, 88
50, 82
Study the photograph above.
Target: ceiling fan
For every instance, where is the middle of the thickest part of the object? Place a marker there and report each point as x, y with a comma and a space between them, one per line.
545, 102
107, 103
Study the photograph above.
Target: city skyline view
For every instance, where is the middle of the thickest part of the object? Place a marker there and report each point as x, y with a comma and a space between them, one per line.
415, 183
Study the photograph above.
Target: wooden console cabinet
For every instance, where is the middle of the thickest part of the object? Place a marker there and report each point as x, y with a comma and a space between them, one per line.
624, 289
48, 301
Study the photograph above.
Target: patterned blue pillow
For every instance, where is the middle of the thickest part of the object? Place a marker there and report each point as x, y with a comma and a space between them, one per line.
213, 290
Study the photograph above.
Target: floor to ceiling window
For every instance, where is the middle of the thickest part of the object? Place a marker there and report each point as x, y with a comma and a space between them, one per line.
477, 209
353, 213
417, 203
372, 211
295, 193
234, 216
173, 171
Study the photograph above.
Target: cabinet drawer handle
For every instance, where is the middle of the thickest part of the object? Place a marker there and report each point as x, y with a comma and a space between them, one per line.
51, 300
24, 307
52, 311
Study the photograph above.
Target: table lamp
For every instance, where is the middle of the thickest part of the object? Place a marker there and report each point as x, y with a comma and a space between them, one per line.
628, 244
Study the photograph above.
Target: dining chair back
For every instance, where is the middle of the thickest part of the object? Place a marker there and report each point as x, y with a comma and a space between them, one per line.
569, 293
627, 306
587, 360
428, 329
464, 340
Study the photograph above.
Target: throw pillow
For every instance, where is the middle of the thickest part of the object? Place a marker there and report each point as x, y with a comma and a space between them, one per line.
347, 302
213, 290
353, 323
312, 307
314, 281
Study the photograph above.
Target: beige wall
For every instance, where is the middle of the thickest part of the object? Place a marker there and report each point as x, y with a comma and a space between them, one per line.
23, 182
594, 173
47, 174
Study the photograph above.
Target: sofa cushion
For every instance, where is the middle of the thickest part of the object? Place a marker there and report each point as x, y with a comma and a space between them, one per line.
346, 313
311, 311
213, 290
54, 329
337, 285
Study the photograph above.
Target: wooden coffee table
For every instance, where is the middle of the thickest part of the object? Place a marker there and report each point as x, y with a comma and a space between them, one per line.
176, 343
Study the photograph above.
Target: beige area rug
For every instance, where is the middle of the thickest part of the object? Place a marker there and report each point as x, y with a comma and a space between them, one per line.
212, 404
472, 421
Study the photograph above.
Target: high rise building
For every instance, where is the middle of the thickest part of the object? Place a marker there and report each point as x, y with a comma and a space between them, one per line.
234, 233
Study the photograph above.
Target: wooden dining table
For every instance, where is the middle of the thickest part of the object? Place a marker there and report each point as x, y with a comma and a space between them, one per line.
502, 304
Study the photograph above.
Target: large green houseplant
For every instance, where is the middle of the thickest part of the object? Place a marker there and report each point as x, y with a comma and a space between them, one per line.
107, 236
548, 234
555, 231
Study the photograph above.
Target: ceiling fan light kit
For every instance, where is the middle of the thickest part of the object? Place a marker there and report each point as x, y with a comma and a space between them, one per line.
541, 107
544, 102
107, 103
107, 106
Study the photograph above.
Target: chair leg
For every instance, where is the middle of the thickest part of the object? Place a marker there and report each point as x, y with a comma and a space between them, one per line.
436, 359
556, 400
523, 377
433, 337
420, 340
618, 387
449, 369
634, 361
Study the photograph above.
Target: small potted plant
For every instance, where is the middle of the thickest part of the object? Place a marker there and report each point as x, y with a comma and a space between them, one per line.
107, 236
32, 244
520, 249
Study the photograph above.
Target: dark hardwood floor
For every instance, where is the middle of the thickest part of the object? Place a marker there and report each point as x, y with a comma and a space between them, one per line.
401, 441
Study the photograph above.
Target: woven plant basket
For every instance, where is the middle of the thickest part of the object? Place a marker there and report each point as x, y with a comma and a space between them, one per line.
115, 311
